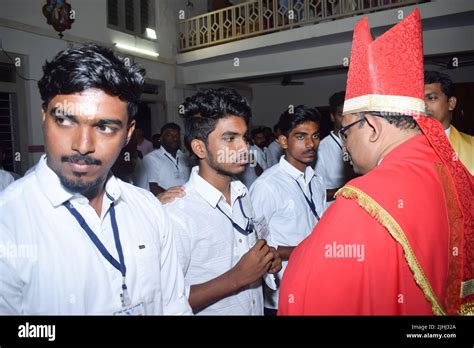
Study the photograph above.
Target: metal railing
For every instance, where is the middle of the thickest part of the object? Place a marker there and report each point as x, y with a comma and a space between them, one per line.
257, 17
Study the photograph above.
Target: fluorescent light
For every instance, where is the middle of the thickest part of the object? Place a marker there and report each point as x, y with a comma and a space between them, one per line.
138, 50
151, 33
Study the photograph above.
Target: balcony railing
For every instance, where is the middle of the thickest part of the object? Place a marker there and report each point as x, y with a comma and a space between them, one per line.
257, 17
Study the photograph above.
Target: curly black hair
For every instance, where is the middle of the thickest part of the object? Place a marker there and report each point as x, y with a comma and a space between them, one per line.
92, 66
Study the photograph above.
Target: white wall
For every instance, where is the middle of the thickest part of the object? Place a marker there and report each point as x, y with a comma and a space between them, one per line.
37, 49
269, 101
91, 23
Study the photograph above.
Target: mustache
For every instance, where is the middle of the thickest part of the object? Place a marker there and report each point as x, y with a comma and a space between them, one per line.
309, 152
81, 159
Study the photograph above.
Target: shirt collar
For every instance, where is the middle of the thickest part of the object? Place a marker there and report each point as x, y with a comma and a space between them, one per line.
209, 193
336, 137
166, 153
295, 173
57, 194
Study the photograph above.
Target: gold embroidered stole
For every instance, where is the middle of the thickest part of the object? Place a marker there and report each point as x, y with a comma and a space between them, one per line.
383, 217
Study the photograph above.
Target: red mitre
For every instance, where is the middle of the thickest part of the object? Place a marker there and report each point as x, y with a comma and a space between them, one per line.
387, 74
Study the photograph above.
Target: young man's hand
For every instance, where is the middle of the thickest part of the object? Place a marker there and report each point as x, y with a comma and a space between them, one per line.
171, 194
253, 264
275, 267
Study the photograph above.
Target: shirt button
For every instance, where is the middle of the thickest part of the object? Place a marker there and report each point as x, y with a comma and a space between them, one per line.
253, 301
240, 240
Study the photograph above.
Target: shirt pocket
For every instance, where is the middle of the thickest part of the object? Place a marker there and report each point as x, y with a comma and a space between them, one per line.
214, 248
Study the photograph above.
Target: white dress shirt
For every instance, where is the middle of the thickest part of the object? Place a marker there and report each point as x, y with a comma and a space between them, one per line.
273, 153
162, 168
277, 197
261, 156
209, 246
16, 176
5, 179
145, 147
330, 164
49, 265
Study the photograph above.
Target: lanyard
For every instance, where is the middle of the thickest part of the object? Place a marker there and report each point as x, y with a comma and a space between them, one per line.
248, 229
119, 265
175, 164
332, 136
310, 201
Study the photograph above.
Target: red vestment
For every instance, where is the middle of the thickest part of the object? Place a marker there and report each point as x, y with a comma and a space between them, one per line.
329, 275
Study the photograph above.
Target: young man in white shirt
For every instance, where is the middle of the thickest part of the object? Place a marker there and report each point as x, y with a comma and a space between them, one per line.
332, 162
167, 166
289, 195
213, 225
79, 240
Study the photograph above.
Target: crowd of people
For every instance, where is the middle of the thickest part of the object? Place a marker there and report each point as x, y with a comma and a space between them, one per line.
240, 220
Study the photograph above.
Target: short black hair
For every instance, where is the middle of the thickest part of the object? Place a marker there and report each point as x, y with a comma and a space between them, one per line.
301, 114
170, 125
202, 111
276, 127
257, 130
443, 79
336, 100
92, 66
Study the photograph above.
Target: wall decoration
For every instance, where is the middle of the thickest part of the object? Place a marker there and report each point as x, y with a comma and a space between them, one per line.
59, 14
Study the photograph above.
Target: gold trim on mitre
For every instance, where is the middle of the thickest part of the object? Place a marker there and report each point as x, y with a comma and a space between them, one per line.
383, 217
386, 103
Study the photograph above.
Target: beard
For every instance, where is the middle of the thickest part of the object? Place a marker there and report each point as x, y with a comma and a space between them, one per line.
78, 185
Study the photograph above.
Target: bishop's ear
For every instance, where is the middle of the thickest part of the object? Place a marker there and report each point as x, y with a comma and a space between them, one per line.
375, 125
199, 148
